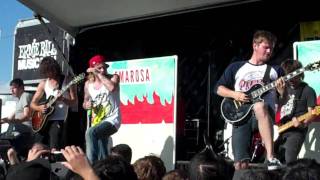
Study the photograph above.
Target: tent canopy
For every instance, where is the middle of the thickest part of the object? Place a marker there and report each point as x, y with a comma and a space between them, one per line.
76, 16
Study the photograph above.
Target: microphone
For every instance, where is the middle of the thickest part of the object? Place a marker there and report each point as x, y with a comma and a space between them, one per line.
89, 115
89, 112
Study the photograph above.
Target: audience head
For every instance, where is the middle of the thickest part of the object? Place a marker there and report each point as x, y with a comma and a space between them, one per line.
114, 168
302, 169
176, 174
258, 174
38, 169
149, 168
2, 172
122, 150
207, 165
305, 162
301, 173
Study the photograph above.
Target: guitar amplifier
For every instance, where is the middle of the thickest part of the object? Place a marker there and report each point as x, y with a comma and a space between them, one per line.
192, 129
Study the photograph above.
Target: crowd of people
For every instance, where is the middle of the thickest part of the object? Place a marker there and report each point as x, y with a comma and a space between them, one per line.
29, 154
205, 165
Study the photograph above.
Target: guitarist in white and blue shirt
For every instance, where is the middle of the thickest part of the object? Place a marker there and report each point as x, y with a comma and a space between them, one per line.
295, 99
50, 86
238, 78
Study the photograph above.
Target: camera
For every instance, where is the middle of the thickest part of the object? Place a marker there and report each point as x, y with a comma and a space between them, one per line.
55, 156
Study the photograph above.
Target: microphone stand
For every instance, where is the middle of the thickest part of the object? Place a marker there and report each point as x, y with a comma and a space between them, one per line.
226, 151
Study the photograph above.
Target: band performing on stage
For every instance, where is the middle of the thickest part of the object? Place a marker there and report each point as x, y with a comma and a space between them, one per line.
266, 108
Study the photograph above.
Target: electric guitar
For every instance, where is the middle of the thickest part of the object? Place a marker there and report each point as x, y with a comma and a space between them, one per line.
282, 128
39, 119
235, 112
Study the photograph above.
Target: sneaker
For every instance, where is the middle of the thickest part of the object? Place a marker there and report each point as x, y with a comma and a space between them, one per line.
274, 164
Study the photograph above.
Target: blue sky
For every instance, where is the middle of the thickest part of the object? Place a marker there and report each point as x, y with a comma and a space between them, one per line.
11, 12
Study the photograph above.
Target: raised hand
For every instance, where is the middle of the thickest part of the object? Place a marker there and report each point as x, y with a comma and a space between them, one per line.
78, 162
36, 151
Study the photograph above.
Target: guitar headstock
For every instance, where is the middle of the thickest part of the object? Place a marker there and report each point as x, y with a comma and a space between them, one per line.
316, 111
78, 78
313, 66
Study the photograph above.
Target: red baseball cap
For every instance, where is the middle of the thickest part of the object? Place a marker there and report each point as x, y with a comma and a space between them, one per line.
97, 59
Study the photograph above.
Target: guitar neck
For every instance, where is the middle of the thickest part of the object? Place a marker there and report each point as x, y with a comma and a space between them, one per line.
74, 81
260, 91
289, 124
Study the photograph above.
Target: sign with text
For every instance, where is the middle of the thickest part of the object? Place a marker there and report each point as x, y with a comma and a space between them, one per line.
308, 52
32, 44
148, 101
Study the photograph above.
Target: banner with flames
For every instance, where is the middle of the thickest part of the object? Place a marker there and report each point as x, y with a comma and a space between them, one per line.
148, 100
147, 89
308, 52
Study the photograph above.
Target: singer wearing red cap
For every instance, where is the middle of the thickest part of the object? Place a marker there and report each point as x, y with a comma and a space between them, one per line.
102, 100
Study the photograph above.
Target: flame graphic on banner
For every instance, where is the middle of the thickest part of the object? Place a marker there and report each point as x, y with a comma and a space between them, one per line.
146, 113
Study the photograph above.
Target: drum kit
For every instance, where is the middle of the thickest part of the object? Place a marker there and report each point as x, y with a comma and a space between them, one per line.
257, 150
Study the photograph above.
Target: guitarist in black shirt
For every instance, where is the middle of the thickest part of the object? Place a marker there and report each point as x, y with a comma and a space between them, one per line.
295, 99
54, 114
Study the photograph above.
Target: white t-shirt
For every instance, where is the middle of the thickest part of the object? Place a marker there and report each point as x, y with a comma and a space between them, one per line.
60, 108
106, 98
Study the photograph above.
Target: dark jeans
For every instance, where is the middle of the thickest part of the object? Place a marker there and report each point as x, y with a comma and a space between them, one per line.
241, 139
288, 145
97, 140
51, 135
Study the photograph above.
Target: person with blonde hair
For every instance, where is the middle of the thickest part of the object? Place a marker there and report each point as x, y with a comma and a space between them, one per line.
102, 97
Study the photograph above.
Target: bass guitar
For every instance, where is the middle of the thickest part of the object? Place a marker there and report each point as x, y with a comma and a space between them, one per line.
235, 112
39, 119
282, 128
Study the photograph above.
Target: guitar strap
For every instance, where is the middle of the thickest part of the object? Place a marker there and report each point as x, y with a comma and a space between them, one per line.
266, 77
61, 81
60, 87
297, 97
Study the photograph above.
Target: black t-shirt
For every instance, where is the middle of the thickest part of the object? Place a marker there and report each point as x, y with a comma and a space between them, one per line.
307, 99
303, 97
